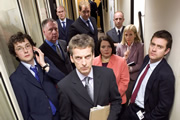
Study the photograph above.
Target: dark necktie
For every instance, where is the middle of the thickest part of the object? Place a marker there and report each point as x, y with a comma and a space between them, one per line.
133, 97
64, 26
59, 51
90, 27
34, 69
119, 35
89, 88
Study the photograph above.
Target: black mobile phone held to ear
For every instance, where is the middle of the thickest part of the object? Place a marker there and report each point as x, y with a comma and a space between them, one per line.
36, 53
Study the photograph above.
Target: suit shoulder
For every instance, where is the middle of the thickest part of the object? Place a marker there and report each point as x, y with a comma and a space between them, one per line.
166, 68
110, 31
71, 21
16, 74
116, 57
43, 45
66, 80
140, 44
102, 70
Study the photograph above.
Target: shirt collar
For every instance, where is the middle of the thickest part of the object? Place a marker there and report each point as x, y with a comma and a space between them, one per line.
81, 76
50, 43
28, 65
153, 65
84, 20
118, 29
63, 20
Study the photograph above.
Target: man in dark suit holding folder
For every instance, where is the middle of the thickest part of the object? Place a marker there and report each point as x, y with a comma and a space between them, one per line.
87, 86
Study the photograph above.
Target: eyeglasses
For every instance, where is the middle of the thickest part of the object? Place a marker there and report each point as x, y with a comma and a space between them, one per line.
21, 49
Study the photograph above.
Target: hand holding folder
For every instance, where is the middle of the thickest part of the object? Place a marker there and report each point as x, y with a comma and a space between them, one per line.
99, 113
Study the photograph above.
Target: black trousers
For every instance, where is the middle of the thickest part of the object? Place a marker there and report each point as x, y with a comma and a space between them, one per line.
130, 112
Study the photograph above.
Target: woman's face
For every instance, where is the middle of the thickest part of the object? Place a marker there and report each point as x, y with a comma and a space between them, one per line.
129, 36
105, 49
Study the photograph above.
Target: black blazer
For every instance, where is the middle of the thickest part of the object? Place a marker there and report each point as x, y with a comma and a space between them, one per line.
159, 94
113, 35
75, 102
63, 35
79, 27
63, 65
33, 98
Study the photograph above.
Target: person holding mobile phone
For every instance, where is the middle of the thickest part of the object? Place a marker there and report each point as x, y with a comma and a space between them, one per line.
34, 80
132, 49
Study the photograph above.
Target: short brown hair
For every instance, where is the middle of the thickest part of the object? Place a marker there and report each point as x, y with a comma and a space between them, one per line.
18, 37
81, 41
85, 3
165, 35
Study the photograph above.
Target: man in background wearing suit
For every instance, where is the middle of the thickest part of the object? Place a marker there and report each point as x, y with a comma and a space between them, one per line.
85, 24
34, 80
54, 49
93, 9
63, 23
116, 33
74, 98
153, 93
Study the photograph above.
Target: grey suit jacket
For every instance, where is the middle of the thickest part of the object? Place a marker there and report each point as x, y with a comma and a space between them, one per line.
113, 35
136, 55
75, 102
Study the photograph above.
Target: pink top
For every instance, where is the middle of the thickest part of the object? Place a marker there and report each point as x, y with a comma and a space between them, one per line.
120, 68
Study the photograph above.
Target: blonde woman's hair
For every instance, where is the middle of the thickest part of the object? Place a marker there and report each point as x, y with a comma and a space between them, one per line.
130, 27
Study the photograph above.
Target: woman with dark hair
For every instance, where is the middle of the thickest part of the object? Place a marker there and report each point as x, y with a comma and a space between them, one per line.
108, 59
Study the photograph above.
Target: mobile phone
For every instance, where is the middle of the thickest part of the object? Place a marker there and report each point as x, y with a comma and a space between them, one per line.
36, 53
131, 63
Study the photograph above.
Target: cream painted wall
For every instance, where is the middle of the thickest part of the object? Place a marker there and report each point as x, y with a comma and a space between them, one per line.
120, 5
124, 5
164, 14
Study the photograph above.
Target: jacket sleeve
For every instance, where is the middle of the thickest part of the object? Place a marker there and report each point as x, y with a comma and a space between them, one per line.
124, 78
115, 99
53, 72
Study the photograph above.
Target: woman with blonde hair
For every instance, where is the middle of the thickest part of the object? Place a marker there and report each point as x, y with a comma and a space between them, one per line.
132, 49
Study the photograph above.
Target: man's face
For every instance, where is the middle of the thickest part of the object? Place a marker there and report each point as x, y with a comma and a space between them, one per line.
118, 19
61, 13
82, 58
157, 49
51, 31
24, 51
85, 12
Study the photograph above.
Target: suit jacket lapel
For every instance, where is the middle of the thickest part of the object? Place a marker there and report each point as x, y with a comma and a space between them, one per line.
115, 36
79, 88
152, 79
60, 27
133, 50
84, 25
28, 76
51, 51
